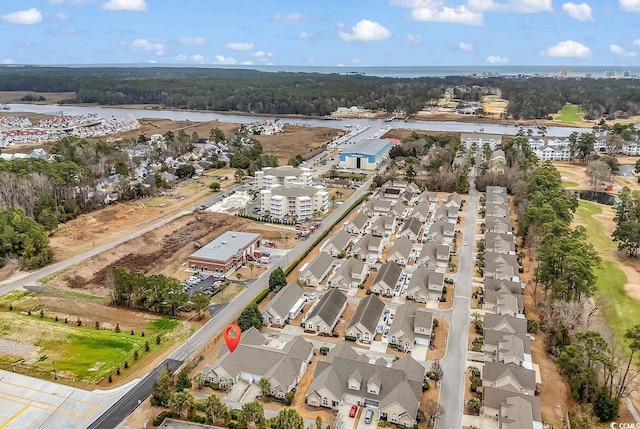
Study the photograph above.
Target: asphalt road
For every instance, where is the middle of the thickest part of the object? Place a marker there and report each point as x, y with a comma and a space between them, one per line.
125, 405
454, 363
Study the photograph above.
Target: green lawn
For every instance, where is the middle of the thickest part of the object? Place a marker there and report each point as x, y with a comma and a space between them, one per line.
569, 184
622, 312
569, 114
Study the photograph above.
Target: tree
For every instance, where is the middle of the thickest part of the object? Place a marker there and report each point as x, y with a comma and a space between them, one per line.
288, 419
214, 186
637, 167
200, 379
627, 219
250, 316
239, 174
319, 423
182, 403
265, 387
200, 300
604, 406
185, 171
437, 370
633, 335
121, 168
277, 279
251, 266
252, 412
410, 174
215, 409
598, 171
161, 389
474, 404
474, 373
433, 411
216, 135
182, 380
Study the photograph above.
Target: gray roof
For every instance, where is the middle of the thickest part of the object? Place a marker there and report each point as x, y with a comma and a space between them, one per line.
424, 318
284, 171
431, 250
498, 210
505, 324
340, 240
367, 242
439, 227
284, 300
368, 146
428, 196
296, 191
496, 190
493, 371
359, 221
225, 245
516, 413
510, 346
423, 277
501, 264
499, 285
404, 321
254, 356
422, 209
499, 242
398, 208
402, 246
378, 204
329, 306
454, 198
348, 267
494, 398
500, 298
319, 266
402, 382
368, 313
412, 225
389, 273
493, 338
497, 224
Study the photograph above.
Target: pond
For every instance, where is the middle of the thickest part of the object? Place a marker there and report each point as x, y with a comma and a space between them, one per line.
595, 196
626, 170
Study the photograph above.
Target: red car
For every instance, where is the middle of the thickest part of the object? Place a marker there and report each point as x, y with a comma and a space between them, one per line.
353, 411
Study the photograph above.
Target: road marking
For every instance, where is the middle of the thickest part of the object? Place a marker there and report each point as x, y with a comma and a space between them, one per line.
69, 412
460, 296
55, 395
15, 416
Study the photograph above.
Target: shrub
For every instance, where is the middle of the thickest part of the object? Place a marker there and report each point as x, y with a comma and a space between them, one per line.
199, 419
235, 414
160, 418
147, 347
288, 398
135, 355
126, 364
117, 329
110, 379
425, 386
324, 351
474, 387
350, 338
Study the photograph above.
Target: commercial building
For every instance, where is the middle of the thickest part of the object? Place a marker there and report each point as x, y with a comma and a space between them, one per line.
298, 201
365, 155
287, 176
226, 253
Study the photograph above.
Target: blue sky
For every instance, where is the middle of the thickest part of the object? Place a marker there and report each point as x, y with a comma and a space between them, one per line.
321, 32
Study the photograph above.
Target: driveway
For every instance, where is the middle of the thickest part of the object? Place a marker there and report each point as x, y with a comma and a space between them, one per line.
237, 391
419, 352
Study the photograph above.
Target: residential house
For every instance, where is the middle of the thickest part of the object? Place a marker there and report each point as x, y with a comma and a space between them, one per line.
501, 225
255, 358
401, 251
338, 245
428, 197
433, 255
501, 266
503, 303
351, 273
326, 312
391, 194
421, 211
499, 403
511, 351
425, 285
383, 226
313, 273
506, 324
454, 200
284, 306
387, 280
408, 198
403, 185
447, 214
357, 225
500, 243
509, 377
368, 248
411, 325
497, 161
410, 229
365, 319
399, 210
167, 177
346, 377
140, 151
496, 190
441, 232
496, 210
377, 207
496, 197
503, 286
481, 140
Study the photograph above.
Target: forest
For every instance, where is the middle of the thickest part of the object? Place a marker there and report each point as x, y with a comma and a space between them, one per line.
316, 94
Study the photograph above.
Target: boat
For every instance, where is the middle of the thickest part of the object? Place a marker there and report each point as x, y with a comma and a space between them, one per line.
5, 107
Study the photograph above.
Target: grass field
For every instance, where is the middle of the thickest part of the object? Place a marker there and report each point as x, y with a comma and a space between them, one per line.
83, 352
622, 312
569, 114
569, 184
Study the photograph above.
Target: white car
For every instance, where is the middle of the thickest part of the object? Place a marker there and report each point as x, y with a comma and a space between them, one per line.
465, 242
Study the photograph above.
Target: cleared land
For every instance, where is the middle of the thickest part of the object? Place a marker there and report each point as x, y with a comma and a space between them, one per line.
14, 97
570, 114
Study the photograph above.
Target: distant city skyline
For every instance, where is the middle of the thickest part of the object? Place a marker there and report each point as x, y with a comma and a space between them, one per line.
363, 33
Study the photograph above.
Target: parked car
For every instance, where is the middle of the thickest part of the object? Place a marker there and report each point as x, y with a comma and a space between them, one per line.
353, 411
368, 416
312, 296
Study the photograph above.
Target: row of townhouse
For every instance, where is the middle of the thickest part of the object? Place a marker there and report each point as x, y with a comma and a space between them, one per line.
509, 381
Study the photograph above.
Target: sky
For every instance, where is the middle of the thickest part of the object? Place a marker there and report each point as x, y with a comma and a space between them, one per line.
362, 33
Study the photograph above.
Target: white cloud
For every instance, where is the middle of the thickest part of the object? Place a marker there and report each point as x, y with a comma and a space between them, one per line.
240, 46
630, 5
198, 58
567, 49
513, 6
262, 54
73, 2
581, 12
465, 46
619, 50
247, 63
455, 15
493, 59
636, 42
157, 45
221, 59
25, 17
7, 61
365, 31
135, 5
303, 35
152, 61
192, 41
412, 39
181, 57
61, 16
291, 18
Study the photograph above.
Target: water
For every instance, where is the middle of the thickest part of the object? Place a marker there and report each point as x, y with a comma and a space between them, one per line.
196, 116
626, 170
595, 196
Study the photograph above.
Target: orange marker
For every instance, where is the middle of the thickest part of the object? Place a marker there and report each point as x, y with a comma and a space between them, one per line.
232, 341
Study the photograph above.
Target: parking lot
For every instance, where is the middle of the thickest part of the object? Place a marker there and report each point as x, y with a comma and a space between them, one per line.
204, 282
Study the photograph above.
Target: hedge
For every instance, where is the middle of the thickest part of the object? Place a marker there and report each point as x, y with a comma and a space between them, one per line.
350, 338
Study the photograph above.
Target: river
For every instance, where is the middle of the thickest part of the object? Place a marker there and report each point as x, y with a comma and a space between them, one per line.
196, 116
